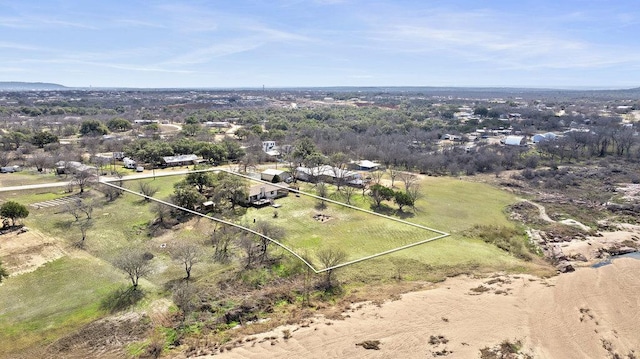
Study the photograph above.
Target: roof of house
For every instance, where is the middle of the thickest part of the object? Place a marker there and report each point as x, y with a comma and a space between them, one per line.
256, 189
274, 172
75, 165
326, 170
513, 140
181, 158
367, 164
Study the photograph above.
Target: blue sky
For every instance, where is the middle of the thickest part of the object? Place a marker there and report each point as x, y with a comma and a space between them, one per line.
283, 43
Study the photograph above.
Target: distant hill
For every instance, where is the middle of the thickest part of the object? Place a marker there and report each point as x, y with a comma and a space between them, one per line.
29, 86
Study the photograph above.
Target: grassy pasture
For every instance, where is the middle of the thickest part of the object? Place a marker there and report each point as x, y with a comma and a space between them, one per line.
28, 177
53, 300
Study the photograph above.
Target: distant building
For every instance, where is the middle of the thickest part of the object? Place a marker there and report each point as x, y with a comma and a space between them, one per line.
182, 160
145, 122
270, 148
549, 136
218, 124
365, 165
329, 174
270, 173
514, 141
71, 167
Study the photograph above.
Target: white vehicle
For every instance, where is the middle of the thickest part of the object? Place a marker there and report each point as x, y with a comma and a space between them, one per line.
129, 163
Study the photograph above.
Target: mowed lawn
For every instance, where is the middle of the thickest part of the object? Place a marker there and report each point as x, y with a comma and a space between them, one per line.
359, 234
446, 204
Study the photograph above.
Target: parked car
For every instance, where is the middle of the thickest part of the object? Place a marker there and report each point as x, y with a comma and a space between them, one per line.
9, 169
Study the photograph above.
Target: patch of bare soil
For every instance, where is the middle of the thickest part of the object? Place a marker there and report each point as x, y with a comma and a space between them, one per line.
104, 338
23, 252
320, 217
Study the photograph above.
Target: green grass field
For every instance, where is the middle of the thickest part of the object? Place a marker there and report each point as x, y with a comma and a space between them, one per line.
52, 301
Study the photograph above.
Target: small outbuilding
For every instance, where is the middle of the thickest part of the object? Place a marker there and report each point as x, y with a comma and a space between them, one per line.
272, 175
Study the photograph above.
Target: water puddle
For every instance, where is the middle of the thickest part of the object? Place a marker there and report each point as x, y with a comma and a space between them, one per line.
635, 255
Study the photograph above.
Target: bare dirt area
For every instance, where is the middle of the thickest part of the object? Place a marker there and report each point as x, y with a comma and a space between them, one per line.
104, 338
590, 313
25, 252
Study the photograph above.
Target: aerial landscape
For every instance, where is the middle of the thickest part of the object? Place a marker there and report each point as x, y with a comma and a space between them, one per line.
319, 179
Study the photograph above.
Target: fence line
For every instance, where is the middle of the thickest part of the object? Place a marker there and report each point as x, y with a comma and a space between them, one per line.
393, 250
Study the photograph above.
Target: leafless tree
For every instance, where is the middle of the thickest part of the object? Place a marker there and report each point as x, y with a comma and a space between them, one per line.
330, 257
339, 163
83, 178
112, 192
348, 193
41, 160
78, 207
251, 249
187, 254
84, 226
5, 158
147, 189
221, 239
415, 194
376, 176
393, 173
73, 208
408, 178
134, 263
323, 192
86, 206
162, 212
184, 296
269, 230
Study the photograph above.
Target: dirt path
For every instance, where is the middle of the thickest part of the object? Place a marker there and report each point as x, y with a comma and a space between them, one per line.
543, 211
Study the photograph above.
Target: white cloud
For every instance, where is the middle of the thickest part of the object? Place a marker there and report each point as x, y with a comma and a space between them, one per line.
487, 37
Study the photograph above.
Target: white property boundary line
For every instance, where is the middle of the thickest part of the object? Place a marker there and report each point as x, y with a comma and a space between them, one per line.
393, 250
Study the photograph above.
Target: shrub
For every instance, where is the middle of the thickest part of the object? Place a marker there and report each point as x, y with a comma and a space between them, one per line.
508, 239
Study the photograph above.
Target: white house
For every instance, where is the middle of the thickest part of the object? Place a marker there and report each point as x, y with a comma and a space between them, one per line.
268, 145
262, 193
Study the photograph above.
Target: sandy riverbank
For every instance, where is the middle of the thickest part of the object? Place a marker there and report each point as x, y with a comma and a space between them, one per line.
574, 315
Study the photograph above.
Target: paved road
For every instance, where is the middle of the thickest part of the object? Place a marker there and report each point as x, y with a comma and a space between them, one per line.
34, 186
147, 174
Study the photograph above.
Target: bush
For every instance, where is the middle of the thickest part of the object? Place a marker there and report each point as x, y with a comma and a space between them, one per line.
508, 239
